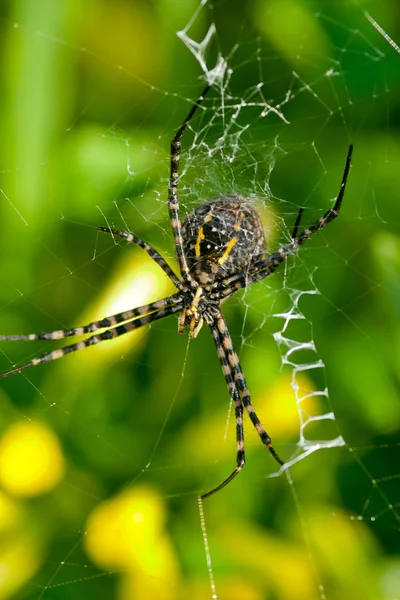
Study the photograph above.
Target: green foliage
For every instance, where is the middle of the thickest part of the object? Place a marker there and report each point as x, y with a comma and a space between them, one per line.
92, 94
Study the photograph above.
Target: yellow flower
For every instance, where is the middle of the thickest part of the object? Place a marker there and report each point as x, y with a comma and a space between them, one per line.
31, 461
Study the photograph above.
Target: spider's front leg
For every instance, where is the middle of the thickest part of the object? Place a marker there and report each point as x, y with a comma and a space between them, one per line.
143, 315
134, 239
173, 201
266, 266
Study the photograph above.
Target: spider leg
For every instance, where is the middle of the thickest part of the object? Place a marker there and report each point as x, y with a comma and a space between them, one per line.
234, 394
173, 202
111, 333
133, 239
331, 213
239, 393
265, 267
297, 223
105, 323
240, 382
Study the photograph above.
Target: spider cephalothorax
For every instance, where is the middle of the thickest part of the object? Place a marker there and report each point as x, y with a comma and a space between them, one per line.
220, 247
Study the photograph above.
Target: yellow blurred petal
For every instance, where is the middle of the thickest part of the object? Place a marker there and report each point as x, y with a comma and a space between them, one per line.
138, 280
31, 461
345, 549
9, 513
19, 561
294, 582
145, 587
232, 588
278, 409
127, 532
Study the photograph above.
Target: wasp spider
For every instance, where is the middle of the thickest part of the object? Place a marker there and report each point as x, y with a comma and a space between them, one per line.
220, 247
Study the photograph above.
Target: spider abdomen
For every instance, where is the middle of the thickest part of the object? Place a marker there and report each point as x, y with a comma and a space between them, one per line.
222, 237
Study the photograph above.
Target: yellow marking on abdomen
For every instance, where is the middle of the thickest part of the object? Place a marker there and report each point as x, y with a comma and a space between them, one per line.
200, 237
238, 223
229, 247
233, 241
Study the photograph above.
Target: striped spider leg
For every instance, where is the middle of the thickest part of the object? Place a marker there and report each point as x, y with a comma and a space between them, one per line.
238, 392
173, 200
266, 266
133, 239
113, 326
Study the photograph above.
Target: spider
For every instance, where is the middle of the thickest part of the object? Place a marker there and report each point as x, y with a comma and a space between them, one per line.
220, 247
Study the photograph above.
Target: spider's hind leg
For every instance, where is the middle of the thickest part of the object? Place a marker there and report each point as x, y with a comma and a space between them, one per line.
241, 385
240, 396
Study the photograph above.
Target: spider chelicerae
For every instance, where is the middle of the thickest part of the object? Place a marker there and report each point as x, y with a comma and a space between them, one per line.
220, 247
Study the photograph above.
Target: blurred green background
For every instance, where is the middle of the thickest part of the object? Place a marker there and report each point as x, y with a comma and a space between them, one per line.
103, 454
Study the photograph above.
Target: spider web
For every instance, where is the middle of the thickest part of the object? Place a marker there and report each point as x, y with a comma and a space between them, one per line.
143, 425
